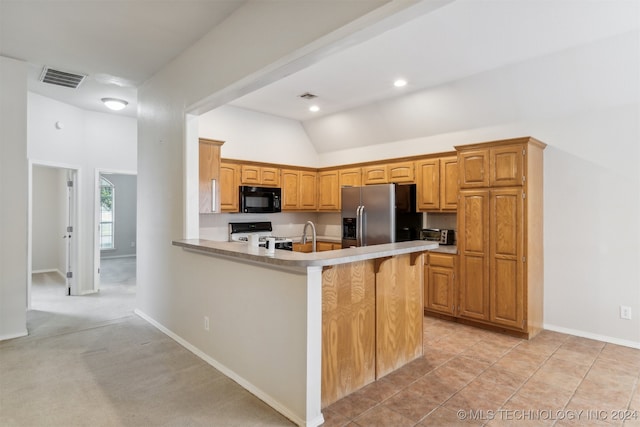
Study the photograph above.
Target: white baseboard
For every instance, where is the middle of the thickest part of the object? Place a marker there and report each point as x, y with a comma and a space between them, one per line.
50, 270
118, 256
12, 336
583, 334
260, 394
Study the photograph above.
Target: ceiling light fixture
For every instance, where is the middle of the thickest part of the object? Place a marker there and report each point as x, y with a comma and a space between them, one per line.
115, 103
314, 108
400, 83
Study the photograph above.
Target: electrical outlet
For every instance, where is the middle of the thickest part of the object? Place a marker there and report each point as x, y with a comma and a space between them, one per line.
206, 323
625, 312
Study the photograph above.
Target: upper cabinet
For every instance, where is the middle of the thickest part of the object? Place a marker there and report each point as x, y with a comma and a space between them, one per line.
209, 174
329, 190
502, 166
437, 184
229, 187
350, 177
299, 190
388, 173
260, 175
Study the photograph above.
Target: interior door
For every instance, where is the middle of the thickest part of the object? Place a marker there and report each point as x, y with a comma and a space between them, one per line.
70, 246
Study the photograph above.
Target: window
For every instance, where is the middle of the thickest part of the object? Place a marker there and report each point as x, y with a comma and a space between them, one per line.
107, 206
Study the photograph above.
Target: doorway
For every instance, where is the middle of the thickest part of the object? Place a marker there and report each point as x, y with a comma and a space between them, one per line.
53, 217
116, 216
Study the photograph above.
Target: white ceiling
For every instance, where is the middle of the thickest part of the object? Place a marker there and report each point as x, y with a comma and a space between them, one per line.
120, 44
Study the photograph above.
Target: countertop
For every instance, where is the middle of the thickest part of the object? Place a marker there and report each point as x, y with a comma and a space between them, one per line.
446, 249
242, 251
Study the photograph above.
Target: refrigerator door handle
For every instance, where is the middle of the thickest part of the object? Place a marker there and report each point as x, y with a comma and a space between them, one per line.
358, 224
363, 227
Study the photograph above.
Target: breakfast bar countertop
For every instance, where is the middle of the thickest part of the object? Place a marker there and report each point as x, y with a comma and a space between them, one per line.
242, 251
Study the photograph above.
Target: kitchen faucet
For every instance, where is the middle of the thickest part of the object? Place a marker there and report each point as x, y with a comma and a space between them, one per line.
313, 235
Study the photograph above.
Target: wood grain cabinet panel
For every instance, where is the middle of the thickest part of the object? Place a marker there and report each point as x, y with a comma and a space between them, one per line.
375, 174
351, 177
401, 172
440, 291
500, 235
348, 329
399, 312
473, 245
329, 190
260, 175
428, 186
299, 190
507, 248
507, 166
209, 172
449, 183
229, 187
473, 168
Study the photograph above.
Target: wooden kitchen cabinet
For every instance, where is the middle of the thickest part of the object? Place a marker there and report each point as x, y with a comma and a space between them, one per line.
440, 290
260, 175
209, 174
500, 238
437, 184
449, 183
329, 190
350, 177
327, 246
229, 187
375, 174
428, 186
388, 173
401, 172
473, 167
303, 247
473, 247
299, 188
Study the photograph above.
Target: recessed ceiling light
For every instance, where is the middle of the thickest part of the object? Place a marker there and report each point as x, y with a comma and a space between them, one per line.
400, 83
115, 103
314, 108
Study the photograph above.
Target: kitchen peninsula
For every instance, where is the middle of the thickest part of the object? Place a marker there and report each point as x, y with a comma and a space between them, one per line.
302, 330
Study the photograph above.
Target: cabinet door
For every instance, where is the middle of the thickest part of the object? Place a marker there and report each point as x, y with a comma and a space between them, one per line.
473, 168
209, 170
473, 246
250, 175
290, 189
506, 287
428, 187
308, 190
329, 191
440, 291
324, 246
507, 166
229, 187
306, 248
401, 172
376, 174
449, 183
351, 177
270, 176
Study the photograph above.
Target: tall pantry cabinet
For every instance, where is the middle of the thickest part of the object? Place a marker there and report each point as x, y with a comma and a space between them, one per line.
500, 234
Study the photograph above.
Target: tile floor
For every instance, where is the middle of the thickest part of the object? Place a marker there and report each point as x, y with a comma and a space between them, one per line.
472, 377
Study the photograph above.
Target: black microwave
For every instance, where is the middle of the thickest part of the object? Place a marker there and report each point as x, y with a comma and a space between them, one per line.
260, 199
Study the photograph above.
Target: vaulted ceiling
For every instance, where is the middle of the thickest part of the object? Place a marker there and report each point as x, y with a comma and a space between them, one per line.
121, 44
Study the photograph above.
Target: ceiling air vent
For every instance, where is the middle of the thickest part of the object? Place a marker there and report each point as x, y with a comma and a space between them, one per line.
308, 95
61, 78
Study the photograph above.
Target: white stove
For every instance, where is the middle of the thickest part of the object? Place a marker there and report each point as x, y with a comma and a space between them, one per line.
240, 232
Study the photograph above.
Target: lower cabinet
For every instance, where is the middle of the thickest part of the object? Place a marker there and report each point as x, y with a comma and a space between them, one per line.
440, 290
327, 246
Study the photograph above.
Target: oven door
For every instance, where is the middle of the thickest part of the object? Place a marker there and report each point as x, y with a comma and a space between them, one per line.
259, 199
431, 234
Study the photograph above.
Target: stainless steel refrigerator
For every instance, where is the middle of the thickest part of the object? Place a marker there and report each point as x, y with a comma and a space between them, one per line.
376, 214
